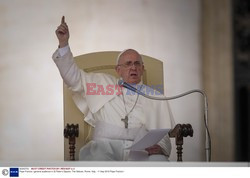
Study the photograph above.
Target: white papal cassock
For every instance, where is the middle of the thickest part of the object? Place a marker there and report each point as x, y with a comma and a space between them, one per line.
104, 105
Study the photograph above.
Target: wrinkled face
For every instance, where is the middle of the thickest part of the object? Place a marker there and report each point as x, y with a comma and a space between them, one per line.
130, 67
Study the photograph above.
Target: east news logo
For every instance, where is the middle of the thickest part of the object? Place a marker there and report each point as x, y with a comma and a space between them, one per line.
14, 172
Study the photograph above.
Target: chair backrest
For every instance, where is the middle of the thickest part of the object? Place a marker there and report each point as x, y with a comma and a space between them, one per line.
102, 62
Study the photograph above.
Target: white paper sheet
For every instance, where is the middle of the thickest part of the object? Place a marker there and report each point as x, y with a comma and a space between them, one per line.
150, 139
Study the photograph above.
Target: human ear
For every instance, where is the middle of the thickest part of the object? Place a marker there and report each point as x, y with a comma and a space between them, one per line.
142, 69
117, 69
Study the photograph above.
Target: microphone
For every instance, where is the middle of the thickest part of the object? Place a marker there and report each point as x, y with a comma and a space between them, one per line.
126, 85
207, 139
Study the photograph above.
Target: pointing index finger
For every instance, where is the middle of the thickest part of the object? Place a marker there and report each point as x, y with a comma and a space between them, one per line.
63, 20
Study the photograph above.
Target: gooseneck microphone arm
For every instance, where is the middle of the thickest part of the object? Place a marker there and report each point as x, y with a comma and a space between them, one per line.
208, 139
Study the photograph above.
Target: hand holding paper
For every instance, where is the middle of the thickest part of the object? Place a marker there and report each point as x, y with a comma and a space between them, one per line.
150, 139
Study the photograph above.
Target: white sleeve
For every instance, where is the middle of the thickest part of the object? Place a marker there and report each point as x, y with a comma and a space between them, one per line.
68, 69
64, 50
165, 144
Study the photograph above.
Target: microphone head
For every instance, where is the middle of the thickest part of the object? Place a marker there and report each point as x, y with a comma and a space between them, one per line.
120, 82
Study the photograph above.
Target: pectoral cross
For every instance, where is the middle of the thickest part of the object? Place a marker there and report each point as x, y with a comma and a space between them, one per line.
125, 120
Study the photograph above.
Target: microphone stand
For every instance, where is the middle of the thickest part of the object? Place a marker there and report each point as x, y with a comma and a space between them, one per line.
207, 137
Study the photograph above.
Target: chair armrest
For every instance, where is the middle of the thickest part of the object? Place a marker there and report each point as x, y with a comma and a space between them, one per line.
180, 131
71, 132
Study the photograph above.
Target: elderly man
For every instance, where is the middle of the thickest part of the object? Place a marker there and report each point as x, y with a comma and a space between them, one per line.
118, 118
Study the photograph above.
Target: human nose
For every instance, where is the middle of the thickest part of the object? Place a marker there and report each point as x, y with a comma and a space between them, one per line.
133, 66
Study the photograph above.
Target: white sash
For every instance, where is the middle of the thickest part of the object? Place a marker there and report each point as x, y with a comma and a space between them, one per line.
109, 131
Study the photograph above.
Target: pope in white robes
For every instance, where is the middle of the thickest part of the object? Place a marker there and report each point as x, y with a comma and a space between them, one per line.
119, 117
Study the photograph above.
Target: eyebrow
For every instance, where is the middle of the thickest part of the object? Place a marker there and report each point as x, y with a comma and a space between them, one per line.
133, 61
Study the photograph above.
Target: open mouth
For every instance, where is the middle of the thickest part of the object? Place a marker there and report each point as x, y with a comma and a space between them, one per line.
133, 75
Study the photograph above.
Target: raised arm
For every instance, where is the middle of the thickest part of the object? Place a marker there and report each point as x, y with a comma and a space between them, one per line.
63, 58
